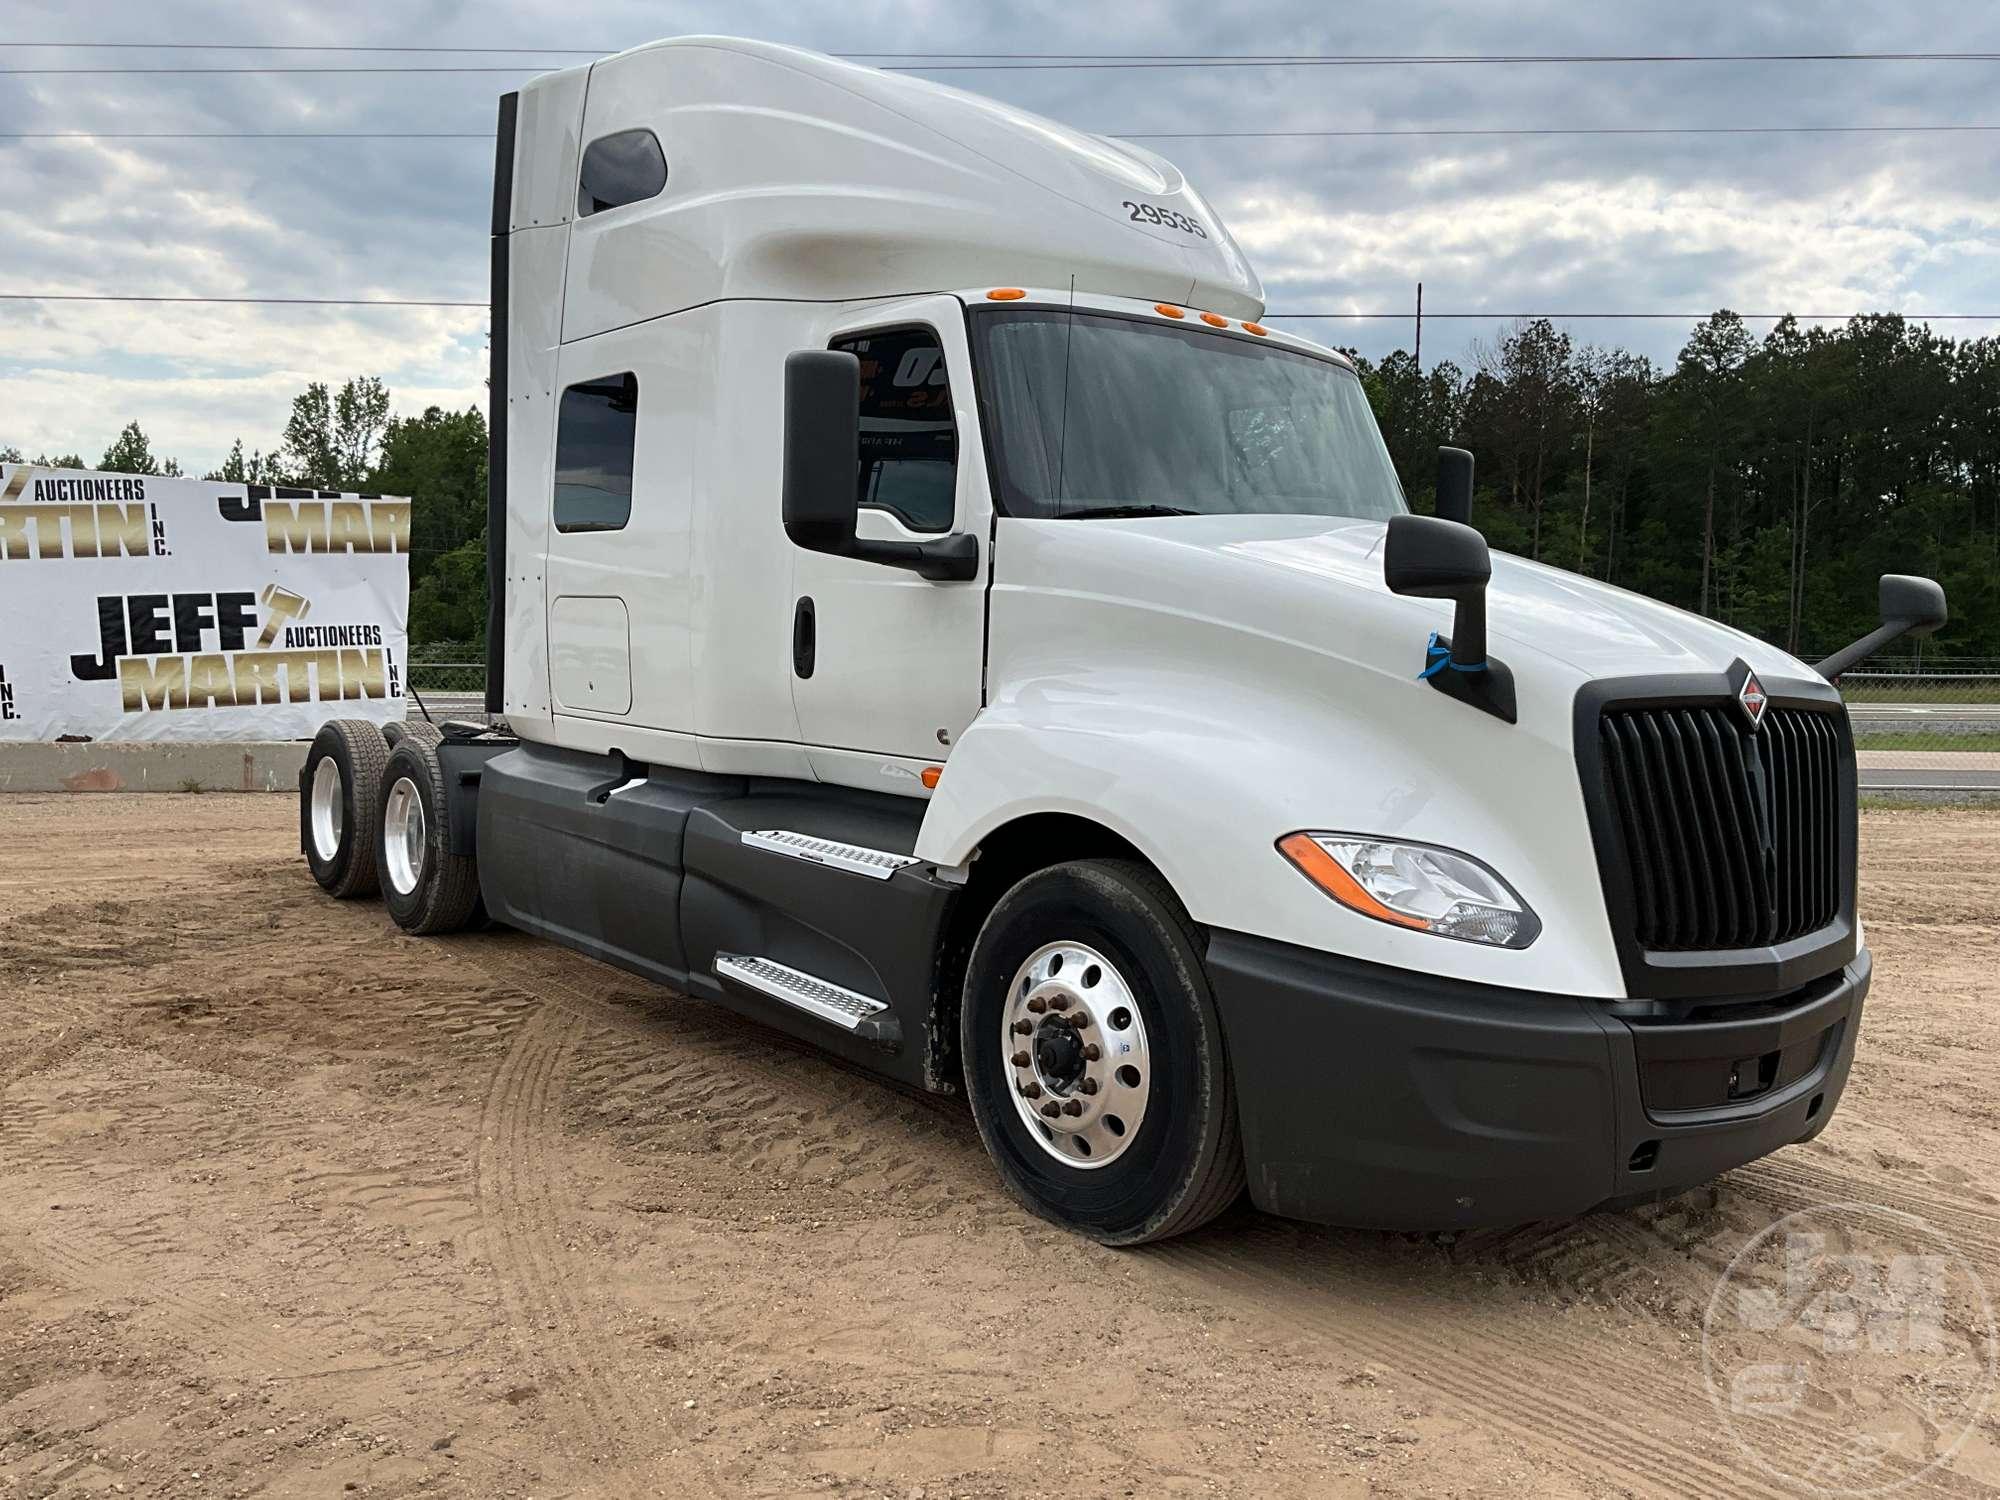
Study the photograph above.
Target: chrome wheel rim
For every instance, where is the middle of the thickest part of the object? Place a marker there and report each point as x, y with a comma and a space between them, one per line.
1074, 1050
329, 809
403, 836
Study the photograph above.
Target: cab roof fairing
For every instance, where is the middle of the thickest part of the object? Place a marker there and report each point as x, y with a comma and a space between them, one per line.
792, 175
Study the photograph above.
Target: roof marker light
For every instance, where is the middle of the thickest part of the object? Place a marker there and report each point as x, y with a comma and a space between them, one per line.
1167, 310
1005, 294
1213, 321
1257, 328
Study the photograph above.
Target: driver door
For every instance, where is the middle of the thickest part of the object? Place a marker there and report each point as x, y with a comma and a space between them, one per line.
886, 663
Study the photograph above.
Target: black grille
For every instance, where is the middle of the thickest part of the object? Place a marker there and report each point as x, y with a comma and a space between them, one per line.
1732, 839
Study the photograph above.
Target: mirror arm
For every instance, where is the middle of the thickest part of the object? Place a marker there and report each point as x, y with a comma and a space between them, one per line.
1849, 657
1468, 631
949, 559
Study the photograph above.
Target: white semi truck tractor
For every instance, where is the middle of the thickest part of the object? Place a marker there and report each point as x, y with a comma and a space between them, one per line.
933, 616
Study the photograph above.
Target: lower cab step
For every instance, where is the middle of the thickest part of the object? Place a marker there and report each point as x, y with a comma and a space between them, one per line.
848, 1009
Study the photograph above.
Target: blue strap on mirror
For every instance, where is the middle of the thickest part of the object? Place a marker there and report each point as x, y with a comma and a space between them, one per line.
1437, 657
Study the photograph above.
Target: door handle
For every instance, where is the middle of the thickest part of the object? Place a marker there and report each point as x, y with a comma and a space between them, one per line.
805, 637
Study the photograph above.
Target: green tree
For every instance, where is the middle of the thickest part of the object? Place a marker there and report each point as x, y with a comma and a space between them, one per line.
332, 438
450, 603
236, 469
132, 453
439, 461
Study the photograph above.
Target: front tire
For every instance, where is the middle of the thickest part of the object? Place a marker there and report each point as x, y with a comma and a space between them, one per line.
1094, 1058
342, 811
426, 887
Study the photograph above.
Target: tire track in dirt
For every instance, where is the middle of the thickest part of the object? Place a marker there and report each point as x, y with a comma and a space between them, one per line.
1793, 1185
523, 1208
763, 1091
1495, 1381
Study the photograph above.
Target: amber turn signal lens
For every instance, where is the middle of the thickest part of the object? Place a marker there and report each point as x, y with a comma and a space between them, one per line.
1005, 294
1213, 321
1257, 328
929, 776
1167, 311
1324, 871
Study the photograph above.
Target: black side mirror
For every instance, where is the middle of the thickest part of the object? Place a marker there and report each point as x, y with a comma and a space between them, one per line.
1908, 606
1454, 493
822, 448
823, 473
1429, 558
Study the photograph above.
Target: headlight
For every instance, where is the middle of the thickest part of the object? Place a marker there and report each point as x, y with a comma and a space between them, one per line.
1417, 886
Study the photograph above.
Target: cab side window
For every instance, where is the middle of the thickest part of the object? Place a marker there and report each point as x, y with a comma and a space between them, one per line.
909, 442
597, 434
620, 169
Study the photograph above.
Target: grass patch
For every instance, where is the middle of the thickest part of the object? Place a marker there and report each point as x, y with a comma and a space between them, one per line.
1937, 802
1926, 739
1943, 692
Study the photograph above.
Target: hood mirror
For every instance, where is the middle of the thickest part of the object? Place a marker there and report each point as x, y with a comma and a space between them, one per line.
1429, 558
1908, 606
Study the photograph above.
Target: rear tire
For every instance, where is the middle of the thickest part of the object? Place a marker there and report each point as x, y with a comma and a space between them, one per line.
1143, 1142
343, 808
426, 887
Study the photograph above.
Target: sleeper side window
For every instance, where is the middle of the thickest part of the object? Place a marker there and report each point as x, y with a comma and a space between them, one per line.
909, 442
597, 432
620, 169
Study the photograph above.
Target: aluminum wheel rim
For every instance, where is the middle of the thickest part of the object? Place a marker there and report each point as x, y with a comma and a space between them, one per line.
403, 836
329, 808
1076, 1056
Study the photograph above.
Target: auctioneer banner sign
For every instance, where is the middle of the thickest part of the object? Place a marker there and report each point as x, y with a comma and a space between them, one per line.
139, 608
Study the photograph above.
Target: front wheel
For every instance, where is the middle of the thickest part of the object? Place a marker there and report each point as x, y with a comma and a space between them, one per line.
1094, 1057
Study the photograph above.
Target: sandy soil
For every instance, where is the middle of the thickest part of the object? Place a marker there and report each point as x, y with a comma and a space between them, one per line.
293, 1205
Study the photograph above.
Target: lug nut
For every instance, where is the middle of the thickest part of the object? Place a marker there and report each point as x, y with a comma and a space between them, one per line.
1080, 1020
1020, 1059
1031, 1091
1090, 1052
1060, 1002
1052, 1109
1023, 1028
1090, 1085
1038, 1005
1073, 1107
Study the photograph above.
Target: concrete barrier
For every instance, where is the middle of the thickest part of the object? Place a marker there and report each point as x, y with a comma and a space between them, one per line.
144, 766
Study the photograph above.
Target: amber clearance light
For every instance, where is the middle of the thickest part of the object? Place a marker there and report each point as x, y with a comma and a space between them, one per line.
1168, 310
1006, 294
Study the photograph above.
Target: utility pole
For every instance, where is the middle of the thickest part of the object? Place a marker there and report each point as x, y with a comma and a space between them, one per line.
1420, 328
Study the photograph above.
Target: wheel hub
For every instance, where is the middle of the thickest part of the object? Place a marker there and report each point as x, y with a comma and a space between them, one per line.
404, 836
1079, 1065
329, 808
1059, 1055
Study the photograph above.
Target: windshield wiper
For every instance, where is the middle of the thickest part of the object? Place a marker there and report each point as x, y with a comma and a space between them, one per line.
1119, 512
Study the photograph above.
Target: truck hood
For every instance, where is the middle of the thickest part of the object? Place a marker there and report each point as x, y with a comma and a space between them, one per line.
1595, 628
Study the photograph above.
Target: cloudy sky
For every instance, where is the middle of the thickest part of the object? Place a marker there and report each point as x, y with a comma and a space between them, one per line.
1825, 223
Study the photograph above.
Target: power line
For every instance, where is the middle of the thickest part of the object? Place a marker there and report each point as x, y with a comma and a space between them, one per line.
1921, 317
1414, 132
1181, 59
1005, 62
237, 301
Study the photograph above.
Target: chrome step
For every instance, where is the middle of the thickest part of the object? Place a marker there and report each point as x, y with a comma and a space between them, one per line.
846, 1008
878, 864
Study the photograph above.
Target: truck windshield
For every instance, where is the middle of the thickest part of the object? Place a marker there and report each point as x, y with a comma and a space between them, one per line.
1095, 415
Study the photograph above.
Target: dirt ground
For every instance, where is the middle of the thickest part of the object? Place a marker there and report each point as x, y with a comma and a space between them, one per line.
293, 1205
